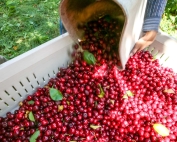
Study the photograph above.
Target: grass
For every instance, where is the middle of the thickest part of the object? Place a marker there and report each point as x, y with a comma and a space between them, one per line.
169, 20
169, 24
25, 24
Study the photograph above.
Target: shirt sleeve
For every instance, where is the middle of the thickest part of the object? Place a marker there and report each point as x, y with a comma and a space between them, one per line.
153, 14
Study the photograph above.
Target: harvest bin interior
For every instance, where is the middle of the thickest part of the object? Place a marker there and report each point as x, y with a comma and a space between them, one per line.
22, 75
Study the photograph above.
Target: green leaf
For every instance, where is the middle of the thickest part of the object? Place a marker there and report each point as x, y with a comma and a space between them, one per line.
18, 24
55, 94
35, 136
107, 18
4, 15
154, 57
94, 126
10, 3
125, 96
31, 22
31, 102
96, 34
89, 58
101, 95
31, 116
130, 94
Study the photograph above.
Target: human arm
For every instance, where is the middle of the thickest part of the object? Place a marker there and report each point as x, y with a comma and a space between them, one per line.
153, 14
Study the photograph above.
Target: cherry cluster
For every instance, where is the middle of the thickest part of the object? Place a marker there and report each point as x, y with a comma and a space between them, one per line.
92, 101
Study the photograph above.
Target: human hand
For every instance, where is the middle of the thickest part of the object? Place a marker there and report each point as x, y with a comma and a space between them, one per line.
144, 42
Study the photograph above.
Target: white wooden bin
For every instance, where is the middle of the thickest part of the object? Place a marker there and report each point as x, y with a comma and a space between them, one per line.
21, 76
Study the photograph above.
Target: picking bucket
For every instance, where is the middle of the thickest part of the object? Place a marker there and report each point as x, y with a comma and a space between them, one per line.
130, 12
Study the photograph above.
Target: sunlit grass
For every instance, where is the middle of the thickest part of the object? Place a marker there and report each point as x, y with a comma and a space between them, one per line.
169, 25
25, 24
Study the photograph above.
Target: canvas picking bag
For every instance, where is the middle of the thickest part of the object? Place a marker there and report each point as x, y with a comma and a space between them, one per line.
74, 13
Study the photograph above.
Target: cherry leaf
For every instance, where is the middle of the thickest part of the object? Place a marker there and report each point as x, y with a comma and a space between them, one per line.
68, 102
112, 101
89, 58
169, 91
35, 136
101, 95
20, 103
129, 93
155, 57
125, 96
60, 107
31, 102
96, 34
107, 18
94, 126
161, 129
31, 116
26, 113
55, 94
